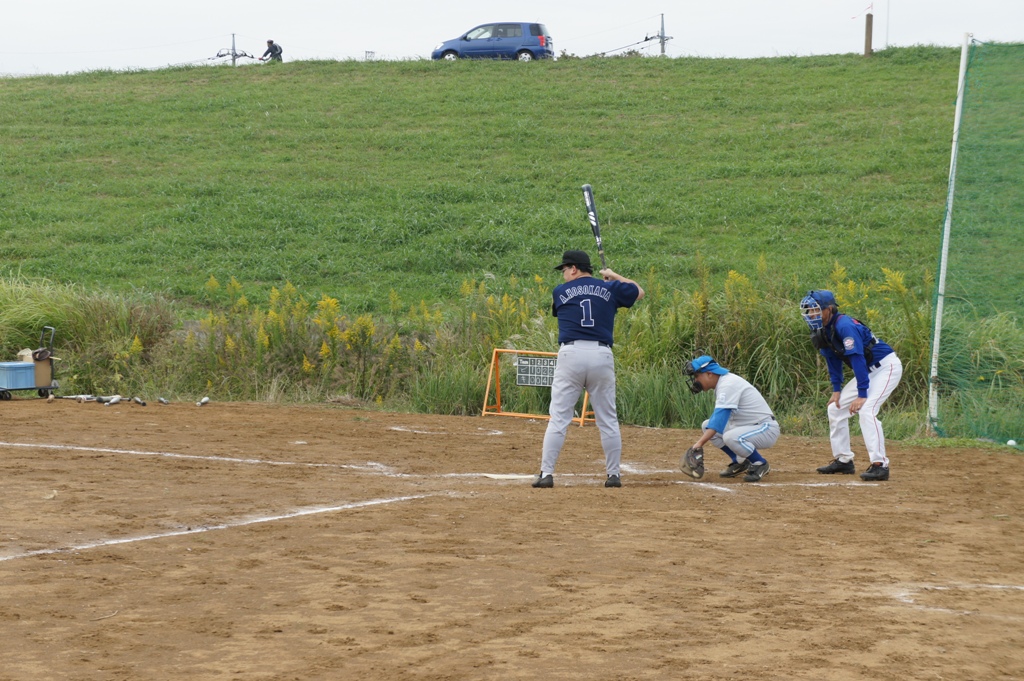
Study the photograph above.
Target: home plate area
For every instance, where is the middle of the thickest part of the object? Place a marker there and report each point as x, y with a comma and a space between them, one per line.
269, 542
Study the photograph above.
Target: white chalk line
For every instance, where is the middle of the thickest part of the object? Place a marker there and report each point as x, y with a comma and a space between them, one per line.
370, 466
633, 469
220, 526
851, 483
710, 485
907, 593
416, 431
515, 476
388, 471
735, 488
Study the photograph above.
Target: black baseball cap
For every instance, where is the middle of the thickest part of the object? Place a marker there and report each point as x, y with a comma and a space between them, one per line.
578, 258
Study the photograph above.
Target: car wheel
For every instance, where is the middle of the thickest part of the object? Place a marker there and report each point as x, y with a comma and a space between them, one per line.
525, 55
450, 56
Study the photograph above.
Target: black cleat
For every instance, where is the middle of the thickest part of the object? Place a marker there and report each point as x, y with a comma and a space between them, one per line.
875, 472
838, 466
756, 471
544, 480
735, 469
613, 481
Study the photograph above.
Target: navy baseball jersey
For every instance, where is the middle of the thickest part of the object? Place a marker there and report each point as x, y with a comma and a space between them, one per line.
586, 308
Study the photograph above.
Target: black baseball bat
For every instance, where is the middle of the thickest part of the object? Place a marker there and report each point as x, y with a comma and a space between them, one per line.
595, 224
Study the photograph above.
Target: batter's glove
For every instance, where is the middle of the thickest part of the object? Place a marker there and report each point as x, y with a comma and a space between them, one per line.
692, 462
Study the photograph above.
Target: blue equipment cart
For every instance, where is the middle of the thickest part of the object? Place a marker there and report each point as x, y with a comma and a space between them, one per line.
35, 375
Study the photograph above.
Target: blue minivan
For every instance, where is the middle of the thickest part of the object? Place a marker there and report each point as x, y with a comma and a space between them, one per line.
513, 40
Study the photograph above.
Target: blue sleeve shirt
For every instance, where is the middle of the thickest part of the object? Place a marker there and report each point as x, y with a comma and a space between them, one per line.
586, 308
719, 420
849, 339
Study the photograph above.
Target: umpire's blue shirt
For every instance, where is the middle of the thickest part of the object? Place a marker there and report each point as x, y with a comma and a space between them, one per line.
852, 336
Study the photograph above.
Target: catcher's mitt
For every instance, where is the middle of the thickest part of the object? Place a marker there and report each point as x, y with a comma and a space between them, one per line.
692, 462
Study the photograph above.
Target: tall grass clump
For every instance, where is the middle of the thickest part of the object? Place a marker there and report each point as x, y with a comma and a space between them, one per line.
435, 358
102, 339
751, 324
982, 362
291, 348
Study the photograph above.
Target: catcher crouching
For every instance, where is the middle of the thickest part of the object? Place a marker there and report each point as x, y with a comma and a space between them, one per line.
740, 425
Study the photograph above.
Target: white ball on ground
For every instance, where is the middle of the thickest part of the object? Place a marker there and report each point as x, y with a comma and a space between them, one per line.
1012, 443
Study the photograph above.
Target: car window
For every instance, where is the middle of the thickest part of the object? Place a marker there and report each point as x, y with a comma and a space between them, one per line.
509, 31
538, 29
480, 33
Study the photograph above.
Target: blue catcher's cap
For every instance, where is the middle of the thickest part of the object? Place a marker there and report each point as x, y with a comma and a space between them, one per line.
812, 305
823, 298
707, 363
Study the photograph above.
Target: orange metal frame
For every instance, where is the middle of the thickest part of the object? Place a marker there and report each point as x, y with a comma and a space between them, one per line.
494, 378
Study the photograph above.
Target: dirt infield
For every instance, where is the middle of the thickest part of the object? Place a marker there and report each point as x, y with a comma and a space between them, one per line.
245, 541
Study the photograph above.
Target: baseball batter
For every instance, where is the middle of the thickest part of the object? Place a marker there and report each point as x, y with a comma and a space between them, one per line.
741, 423
585, 307
843, 340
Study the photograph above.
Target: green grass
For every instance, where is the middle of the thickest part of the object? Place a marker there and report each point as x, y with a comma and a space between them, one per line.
989, 206
353, 178
981, 361
413, 205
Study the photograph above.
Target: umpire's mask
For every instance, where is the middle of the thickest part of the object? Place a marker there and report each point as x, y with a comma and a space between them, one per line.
813, 304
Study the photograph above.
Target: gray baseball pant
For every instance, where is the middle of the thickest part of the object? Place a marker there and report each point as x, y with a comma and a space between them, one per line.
584, 365
743, 440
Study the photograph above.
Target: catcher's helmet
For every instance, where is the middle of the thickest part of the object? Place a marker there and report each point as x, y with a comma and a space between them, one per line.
813, 304
699, 366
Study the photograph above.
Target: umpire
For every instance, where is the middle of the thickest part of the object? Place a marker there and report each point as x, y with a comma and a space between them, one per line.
843, 340
585, 307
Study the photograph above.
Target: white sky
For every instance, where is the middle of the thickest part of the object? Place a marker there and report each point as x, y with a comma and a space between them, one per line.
61, 36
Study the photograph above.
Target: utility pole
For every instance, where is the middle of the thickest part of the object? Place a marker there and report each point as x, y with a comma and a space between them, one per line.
867, 34
663, 38
234, 54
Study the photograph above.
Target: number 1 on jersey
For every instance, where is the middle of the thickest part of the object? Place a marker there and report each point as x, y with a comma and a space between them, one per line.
588, 316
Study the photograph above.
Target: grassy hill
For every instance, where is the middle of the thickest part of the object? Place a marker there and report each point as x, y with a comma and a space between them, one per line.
370, 231
352, 179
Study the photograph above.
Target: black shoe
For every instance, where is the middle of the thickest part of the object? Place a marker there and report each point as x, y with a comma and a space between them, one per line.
735, 469
838, 466
756, 471
613, 481
544, 480
875, 471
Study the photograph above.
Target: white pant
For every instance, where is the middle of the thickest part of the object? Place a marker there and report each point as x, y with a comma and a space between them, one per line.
583, 365
882, 381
